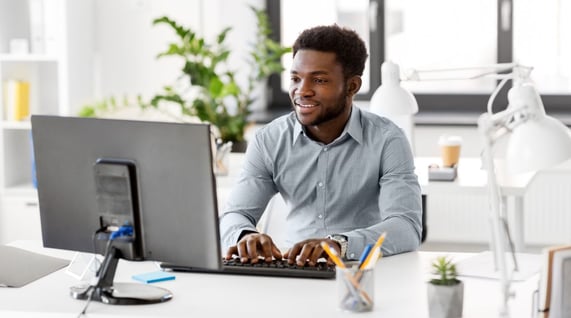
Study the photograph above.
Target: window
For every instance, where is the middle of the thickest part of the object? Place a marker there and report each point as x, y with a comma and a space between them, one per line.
439, 34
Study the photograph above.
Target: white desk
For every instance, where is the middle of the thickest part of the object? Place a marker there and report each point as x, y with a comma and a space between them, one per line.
400, 291
471, 180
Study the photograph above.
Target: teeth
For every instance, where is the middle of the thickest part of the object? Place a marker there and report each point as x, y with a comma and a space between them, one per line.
306, 106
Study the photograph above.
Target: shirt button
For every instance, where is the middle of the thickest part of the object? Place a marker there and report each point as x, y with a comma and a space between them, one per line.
352, 255
325, 149
320, 184
320, 216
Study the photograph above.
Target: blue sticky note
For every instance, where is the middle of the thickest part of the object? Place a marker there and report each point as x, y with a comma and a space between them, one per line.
153, 277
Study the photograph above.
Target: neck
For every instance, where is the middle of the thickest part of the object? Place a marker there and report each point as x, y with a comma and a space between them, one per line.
331, 130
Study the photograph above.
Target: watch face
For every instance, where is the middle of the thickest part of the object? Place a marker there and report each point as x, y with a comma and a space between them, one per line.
340, 237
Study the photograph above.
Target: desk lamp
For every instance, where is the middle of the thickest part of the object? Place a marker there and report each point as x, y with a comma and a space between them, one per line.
393, 101
536, 140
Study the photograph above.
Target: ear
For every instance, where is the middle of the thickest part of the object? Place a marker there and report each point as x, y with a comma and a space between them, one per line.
353, 85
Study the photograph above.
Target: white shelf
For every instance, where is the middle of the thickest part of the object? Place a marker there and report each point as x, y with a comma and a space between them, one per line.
23, 125
22, 190
28, 58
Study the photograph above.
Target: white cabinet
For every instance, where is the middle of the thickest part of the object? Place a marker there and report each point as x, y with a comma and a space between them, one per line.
19, 219
58, 71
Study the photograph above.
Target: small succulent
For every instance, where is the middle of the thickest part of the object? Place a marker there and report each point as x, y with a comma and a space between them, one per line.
445, 271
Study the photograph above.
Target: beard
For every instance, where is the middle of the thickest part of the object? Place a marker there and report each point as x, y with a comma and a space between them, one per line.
330, 113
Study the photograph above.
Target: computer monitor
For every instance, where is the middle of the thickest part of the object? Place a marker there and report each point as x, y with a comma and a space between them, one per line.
149, 186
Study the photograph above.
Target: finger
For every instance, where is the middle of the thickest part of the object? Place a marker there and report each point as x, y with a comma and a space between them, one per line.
232, 250
243, 252
316, 254
286, 254
252, 246
293, 252
306, 251
276, 252
266, 244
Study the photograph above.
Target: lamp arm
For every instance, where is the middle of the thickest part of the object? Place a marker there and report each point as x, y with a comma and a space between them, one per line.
494, 70
498, 233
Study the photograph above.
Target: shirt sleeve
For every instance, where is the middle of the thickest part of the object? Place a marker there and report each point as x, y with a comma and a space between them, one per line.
400, 203
249, 197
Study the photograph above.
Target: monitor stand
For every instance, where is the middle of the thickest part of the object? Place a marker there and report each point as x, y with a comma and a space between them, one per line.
119, 293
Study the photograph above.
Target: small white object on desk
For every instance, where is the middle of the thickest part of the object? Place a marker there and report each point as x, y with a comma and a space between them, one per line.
438, 173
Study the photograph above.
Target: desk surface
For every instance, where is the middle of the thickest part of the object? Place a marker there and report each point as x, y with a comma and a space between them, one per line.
400, 291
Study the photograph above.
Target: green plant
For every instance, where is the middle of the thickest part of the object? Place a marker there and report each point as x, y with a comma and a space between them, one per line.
219, 99
445, 270
207, 88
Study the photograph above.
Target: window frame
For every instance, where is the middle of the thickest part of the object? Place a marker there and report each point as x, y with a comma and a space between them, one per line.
453, 108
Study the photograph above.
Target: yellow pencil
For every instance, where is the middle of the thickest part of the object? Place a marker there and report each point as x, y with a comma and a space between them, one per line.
371, 255
333, 255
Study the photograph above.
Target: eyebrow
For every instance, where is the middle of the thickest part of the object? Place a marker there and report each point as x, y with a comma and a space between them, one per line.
312, 73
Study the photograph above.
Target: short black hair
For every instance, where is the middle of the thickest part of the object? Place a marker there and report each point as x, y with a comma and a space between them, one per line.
349, 48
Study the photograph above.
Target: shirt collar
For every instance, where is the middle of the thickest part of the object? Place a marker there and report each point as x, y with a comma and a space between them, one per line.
353, 127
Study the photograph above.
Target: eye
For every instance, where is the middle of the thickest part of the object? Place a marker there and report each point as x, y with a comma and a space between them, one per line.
294, 79
320, 80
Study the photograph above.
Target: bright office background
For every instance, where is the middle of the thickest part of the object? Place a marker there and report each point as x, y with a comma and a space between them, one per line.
120, 44
441, 34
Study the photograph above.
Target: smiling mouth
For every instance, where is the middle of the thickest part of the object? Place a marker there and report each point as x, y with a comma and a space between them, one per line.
306, 105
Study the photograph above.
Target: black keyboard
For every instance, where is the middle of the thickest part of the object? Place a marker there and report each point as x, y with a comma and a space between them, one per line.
277, 268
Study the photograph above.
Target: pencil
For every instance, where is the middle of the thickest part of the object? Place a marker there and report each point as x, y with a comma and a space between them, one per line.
333, 255
377, 245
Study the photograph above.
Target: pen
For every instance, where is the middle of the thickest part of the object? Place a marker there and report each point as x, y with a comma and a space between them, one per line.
365, 253
375, 247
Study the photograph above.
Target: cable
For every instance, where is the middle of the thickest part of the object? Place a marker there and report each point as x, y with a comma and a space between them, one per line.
125, 230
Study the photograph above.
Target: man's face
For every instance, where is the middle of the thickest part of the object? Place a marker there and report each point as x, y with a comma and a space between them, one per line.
317, 87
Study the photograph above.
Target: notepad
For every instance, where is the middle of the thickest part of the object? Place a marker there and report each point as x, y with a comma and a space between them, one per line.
154, 277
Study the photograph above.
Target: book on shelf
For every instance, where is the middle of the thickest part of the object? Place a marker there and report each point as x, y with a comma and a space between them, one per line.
16, 100
546, 278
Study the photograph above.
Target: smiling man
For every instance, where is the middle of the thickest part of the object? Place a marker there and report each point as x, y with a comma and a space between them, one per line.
346, 175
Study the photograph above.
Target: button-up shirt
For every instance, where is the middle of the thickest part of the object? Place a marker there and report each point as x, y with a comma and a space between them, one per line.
360, 185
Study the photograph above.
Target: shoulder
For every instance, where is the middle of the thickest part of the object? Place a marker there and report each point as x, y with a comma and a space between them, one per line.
278, 129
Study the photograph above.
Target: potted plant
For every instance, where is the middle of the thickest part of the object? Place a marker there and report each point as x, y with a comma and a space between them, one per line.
212, 92
208, 88
445, 290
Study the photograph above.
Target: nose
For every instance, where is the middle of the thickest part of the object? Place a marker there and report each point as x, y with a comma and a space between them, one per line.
305, 88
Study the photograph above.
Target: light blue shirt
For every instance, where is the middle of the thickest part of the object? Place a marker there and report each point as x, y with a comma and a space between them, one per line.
360, 185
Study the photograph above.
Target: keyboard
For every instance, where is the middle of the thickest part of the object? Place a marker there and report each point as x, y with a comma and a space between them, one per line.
276, 268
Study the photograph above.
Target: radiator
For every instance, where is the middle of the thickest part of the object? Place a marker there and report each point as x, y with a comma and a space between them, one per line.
465, 218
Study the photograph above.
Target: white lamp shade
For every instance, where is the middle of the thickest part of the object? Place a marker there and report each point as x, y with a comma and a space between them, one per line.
539, 143
390, 98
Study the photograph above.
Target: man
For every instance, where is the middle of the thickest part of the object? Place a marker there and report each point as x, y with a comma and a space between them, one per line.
346, 175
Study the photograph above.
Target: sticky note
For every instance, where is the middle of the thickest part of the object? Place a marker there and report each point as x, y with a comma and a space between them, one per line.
153, 277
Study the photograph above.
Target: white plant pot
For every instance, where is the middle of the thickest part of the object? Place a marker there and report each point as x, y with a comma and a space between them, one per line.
445, 301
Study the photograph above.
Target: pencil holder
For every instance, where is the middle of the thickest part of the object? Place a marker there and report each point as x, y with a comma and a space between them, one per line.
355, 289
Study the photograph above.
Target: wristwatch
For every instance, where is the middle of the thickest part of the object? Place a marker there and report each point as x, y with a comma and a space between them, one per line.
343, 242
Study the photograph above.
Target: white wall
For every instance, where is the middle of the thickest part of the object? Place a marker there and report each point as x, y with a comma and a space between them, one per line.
127, 43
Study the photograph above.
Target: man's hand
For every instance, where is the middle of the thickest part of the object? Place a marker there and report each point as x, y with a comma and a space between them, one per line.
252, 246
309, 251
